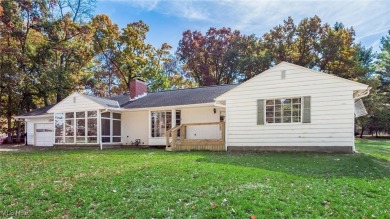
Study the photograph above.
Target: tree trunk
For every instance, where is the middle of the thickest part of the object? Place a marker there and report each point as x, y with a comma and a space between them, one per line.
45, 100
361, 133
9, 116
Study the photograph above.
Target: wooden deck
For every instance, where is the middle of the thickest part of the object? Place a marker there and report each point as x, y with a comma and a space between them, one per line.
174, 143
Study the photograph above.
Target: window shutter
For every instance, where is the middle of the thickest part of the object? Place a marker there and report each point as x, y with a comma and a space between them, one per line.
306, 109
260, 112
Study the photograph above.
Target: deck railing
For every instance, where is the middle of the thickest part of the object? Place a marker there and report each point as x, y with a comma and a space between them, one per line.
175, 142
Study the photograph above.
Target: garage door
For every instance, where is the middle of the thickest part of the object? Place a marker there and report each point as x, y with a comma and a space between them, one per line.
44, 134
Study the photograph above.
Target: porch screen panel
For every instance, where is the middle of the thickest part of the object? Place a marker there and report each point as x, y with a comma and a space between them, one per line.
80, 127
111, 127
92, 127
106, 129
116, 127
69, 127
59, 128
76, 127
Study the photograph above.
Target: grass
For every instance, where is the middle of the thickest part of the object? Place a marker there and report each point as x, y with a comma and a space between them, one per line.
377, 148
158, 184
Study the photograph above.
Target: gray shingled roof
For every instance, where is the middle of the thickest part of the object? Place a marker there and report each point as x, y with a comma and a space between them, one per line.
158, 99
180, 97
103, 101
38, 112
122, 99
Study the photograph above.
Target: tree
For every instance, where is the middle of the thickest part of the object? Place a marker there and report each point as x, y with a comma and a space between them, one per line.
17, 20
254, 58
126, 54
33, 40
172, 76
314, 45
212, 58
383, 65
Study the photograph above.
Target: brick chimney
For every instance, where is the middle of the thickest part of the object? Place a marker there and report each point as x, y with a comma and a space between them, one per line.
138, 88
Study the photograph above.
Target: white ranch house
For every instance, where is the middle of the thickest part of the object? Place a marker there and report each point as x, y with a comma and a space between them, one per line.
286, 108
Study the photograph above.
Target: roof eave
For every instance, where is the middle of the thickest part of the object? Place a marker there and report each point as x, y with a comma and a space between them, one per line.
32, 117
173, 106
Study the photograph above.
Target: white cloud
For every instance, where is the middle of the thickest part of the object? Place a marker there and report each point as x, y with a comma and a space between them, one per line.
368, 17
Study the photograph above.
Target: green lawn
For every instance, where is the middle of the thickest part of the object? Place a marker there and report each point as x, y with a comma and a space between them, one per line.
150, 183
377, 148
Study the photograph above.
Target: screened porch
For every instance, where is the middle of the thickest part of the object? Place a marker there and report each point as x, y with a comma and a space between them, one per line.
87, 128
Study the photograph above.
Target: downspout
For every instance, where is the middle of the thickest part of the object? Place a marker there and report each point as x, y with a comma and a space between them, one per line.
25, 133
101, 138
364, 94
219, 104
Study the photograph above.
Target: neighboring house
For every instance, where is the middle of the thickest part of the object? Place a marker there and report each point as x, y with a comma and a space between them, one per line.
286, 108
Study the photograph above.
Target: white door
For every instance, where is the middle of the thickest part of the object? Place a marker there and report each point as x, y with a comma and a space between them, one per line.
44, 134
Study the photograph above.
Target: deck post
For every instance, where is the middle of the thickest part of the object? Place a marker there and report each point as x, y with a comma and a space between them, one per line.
223, 132
167, 138
174, 138
183, 132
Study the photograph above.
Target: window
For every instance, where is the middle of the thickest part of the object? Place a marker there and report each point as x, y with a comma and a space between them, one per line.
80, 127
111, 127
178, 120
76, 127
284, 110
59, 127
69, 127
116, 127
161, 123
91, 127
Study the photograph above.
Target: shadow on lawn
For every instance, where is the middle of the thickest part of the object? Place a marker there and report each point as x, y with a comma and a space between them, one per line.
308, 164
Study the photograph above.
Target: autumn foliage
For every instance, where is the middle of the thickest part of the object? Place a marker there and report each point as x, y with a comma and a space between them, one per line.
50, 48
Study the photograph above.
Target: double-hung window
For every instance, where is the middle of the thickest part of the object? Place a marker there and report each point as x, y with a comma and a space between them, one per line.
283, 110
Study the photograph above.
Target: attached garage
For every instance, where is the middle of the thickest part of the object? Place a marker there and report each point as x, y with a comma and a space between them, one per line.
39, 127
44, 134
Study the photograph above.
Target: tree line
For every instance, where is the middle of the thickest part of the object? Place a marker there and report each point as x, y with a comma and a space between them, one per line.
51, 48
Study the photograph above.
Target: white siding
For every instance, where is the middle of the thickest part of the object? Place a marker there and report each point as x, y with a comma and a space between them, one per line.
82, 104
332, 118
201, 115
135, 126
30, 127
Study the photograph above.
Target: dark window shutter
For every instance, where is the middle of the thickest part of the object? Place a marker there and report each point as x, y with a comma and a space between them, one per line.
306, 109
260, 112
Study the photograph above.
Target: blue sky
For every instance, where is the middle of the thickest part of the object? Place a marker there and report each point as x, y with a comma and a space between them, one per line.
168, 19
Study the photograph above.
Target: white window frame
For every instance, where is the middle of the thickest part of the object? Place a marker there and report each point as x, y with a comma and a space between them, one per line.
111, 136
282, 112
165, 125
74, 119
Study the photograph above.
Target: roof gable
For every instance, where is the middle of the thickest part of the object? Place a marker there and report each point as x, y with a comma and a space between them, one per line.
77, 101
352, 85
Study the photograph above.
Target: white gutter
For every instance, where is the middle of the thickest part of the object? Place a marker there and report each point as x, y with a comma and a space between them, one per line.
32, 117
362, 94
167, 107
219, 105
